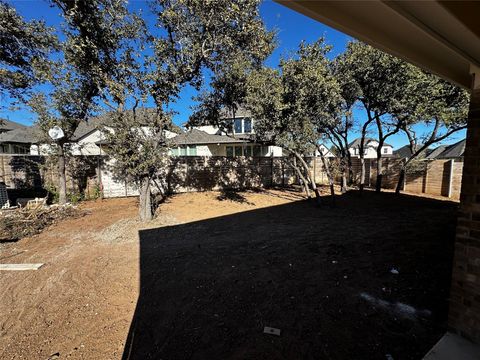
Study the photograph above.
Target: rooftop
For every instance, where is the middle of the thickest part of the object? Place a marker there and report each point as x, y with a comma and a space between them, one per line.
23, 135
448, 151
7, 125
195, 136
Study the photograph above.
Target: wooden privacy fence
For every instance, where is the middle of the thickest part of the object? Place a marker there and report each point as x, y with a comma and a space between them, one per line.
441, 177
195, 173
21, 171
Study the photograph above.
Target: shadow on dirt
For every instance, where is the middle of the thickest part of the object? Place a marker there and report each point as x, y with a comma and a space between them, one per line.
208, 288
232, 195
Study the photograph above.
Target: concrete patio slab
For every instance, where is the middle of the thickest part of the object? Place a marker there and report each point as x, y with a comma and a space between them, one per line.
453, 347
20, 267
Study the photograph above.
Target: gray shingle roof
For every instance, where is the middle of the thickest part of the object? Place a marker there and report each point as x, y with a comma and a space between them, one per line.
98, 122
31, 134
433, 154
405, 152
449, 151
24, 135
198, 137
7, 125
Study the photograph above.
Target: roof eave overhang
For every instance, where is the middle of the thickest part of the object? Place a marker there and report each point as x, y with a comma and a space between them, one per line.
429, 34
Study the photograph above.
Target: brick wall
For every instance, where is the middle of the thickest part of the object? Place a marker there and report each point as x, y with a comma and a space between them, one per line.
464, 314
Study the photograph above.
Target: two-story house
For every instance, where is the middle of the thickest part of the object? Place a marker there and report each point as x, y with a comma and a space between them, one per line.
236, 140
370, 148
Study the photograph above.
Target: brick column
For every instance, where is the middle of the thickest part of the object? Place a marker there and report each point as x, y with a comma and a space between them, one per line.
464, 314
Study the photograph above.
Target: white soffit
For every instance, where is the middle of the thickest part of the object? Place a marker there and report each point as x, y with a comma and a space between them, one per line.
430, 34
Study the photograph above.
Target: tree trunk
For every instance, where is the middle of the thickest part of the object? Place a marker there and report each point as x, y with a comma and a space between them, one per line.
302, 178
362, 174
331, 181
350, 169
401, 179
318, 199
343, 169
344, 181
378, 184
62, 178
145, 201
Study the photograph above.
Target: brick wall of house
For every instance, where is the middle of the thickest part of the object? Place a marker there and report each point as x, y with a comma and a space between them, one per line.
464, 313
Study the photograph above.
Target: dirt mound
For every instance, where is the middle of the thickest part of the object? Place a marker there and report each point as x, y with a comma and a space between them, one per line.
126, 230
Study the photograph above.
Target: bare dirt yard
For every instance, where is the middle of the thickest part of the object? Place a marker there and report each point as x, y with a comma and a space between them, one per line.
364, 279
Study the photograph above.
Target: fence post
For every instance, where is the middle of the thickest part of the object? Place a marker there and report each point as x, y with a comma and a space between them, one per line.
187, 175
283, 172
271, 170
425, 178
450, 177
3, 177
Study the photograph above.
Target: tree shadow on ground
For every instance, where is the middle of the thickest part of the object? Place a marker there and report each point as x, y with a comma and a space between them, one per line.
321, 275
233, 195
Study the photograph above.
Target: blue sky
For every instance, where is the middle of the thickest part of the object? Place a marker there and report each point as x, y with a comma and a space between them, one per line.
292, 28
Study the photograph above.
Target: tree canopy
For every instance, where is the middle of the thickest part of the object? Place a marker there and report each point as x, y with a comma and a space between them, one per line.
24, 49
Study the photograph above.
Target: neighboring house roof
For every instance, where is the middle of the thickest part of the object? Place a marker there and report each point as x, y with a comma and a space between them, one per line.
97, 122
356, 143
433, 153
24, 135
7, 125
448, 151
31, 134
86, 127
405, 152
198, 137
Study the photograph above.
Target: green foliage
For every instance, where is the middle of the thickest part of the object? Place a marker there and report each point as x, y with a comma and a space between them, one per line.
193, 36
53, 194
97, 192
24, 49
96, 34
381, 82
138, 143
294, 106
204, 34
75, 197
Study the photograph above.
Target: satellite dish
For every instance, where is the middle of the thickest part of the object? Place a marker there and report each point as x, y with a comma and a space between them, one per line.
56, 133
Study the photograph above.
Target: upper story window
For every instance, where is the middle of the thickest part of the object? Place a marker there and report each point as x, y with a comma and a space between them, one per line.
385, 150
242, 126
247, 125
237, 127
